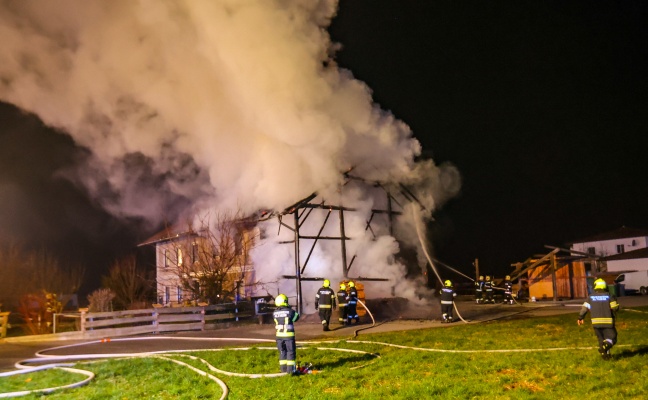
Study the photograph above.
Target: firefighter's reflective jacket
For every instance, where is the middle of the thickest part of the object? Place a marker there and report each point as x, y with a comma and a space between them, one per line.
603, 307
325, 298
342, 298
447, 295
285, 318
352, 298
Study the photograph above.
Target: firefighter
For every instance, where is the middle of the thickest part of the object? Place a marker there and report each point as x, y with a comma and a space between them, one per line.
342, 304
479, 290
488, 290
603, 307
447, 301
352, 304
508, 290
285, 318
325, 303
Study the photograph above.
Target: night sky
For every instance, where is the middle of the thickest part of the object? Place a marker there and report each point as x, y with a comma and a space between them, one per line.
540, 105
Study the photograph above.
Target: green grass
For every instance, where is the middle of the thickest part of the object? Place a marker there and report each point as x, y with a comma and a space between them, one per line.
397, 373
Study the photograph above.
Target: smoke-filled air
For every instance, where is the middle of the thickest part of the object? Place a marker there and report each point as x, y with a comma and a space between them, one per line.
227, 104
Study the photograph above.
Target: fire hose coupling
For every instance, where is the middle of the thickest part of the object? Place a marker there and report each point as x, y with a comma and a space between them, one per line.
305, 369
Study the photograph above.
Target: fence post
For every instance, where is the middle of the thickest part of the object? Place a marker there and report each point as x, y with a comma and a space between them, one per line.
83, 319
202, 318
4, 321
156, 321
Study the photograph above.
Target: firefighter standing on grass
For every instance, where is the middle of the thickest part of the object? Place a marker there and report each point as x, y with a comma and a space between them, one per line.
447, 301
284, 319
325, 303
603, 307
352, 304
342, 304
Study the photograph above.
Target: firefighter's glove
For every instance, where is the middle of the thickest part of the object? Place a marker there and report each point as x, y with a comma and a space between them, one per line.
580, 322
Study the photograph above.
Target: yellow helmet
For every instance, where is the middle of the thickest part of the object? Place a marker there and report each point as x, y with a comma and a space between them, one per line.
281, 300
326, 283
351, 284
600, 284
448, 283
487, 278
342, 286
481, 277
508, 277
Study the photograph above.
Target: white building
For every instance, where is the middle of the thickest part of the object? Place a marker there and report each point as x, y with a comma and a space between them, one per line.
618, 241
177, 253
623, 251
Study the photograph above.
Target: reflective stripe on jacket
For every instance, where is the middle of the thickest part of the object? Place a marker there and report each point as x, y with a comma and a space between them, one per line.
447, 295
603, 306
284, 318
325, 297
342, 298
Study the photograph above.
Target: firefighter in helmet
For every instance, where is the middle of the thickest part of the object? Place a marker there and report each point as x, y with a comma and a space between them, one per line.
508, 290
603, 307
488, 290
325, 303
352, 304
284, 319
479, 290
342, 304
447, 301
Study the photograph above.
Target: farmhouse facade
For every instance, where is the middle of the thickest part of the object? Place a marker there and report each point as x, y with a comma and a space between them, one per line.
186, 259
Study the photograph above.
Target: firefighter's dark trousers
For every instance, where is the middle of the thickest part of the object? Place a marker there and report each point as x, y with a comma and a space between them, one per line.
342, 313
446, 311
325, 316
352, 313
287, 354
608, 335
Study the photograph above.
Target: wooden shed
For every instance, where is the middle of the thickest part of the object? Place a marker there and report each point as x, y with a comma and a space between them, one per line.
570, 281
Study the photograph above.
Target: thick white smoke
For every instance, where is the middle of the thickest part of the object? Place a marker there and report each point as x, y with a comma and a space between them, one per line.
235, 103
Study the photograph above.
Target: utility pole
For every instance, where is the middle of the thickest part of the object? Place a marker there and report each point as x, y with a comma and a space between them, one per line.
476, 264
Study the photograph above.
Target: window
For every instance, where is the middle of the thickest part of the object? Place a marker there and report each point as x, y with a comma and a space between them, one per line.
179, 294
165, 254
194, 253
167, 295
591, 250
620, 248
179, 257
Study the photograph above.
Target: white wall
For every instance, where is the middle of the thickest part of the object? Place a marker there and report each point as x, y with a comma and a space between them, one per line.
609, 247
639, 264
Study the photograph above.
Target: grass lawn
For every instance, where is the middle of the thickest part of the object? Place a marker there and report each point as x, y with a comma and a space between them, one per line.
535, 358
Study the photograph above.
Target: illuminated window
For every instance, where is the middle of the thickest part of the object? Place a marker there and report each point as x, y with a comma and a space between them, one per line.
179, 257
194, 252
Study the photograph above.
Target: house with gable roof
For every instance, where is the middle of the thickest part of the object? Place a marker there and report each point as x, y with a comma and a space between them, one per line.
181, 253
620, 251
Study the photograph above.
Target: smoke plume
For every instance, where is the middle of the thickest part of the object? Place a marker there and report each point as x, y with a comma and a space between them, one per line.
235, 103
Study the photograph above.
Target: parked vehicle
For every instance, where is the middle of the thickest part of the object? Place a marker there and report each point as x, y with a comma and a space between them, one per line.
634, 281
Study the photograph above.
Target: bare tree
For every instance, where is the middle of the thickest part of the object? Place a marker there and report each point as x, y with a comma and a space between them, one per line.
211, 262
34, 271
129, 283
